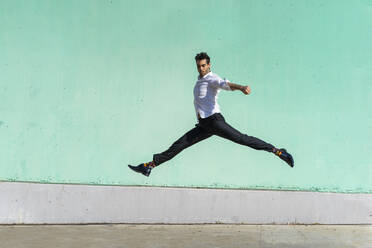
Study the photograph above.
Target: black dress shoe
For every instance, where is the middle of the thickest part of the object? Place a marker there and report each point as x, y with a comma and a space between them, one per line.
145, 170
284, 155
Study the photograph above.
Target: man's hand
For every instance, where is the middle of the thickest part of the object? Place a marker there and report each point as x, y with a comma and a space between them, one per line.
246, 90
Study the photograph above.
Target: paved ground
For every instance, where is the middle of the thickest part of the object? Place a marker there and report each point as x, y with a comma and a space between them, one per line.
186, 236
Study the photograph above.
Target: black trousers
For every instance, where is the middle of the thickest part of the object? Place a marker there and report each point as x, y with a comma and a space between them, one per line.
212, 125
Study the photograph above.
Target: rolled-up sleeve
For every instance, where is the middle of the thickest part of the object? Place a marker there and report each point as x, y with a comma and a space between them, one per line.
221, 83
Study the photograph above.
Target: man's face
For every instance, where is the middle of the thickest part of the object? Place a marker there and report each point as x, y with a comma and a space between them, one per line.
203, 67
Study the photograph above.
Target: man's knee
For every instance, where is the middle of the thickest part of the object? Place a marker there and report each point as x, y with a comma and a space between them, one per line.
244, 139
182, 143
240, 139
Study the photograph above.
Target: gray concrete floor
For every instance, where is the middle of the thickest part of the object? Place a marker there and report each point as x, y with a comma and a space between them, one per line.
186, 236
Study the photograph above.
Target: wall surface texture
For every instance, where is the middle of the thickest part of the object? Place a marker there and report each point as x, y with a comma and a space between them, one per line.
87, 87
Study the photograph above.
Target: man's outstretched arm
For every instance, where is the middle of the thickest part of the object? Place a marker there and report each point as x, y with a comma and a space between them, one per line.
245, 89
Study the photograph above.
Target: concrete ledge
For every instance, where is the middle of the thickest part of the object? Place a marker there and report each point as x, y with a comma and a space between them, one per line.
33, 203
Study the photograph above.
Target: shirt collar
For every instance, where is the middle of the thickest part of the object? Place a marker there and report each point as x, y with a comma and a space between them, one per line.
205, 75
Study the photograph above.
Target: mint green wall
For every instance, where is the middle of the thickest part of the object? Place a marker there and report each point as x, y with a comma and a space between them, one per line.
87, 87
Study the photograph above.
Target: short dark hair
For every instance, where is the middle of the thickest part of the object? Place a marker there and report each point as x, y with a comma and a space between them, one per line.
201, 56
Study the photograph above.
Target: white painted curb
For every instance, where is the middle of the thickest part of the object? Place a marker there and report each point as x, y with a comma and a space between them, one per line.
34, 203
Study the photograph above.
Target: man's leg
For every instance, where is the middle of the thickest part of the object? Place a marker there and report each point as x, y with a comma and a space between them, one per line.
193, 136
190, 138
221, 128
218, 126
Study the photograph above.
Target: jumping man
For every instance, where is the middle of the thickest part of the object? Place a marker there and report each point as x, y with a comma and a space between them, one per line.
210, 120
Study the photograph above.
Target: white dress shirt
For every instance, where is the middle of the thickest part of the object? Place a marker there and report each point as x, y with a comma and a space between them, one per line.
206, 94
